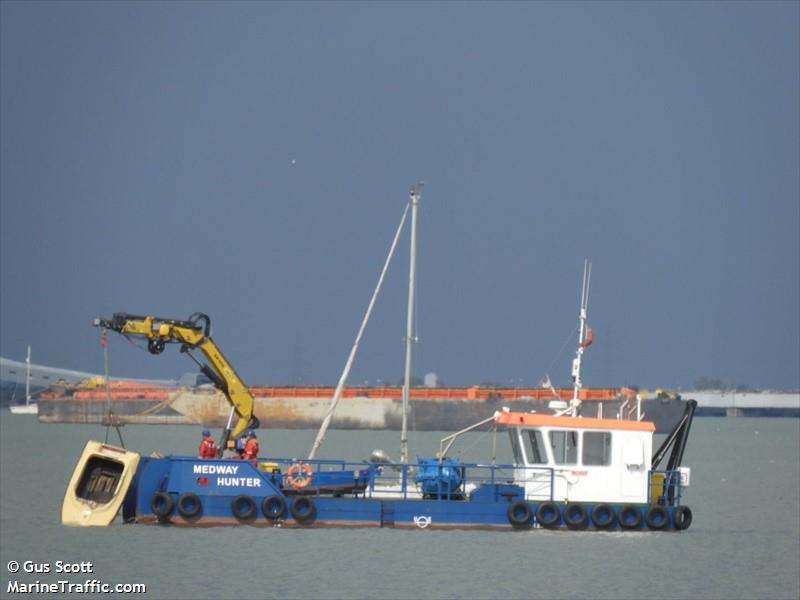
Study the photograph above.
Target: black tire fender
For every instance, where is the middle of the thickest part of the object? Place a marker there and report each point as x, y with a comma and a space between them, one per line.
603, 516
189, 505
656, 517
162, 505
547, 514
519, 515
243, 507
682, 517
274, 507
575, 516
303, 509
630, 517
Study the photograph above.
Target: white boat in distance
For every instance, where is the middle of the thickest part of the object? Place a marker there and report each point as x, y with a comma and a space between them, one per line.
29, 408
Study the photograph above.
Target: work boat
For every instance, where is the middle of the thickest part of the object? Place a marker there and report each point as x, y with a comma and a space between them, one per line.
568, 472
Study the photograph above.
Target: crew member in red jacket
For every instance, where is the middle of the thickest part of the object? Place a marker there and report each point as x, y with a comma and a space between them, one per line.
207, 449
251, 447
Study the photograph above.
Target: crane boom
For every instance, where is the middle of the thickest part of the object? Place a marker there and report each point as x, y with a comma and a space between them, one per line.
195, 332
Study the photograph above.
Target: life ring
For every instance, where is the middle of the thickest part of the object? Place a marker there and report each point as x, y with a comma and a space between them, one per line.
656, 517
519, 515
189, 505
299, 475
630, 517
575, 516
162, 505
243, 507
303, 510
274, 507
547, 514
602, 516
683, 517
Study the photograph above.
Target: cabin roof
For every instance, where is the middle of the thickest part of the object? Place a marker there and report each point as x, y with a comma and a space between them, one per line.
533, 419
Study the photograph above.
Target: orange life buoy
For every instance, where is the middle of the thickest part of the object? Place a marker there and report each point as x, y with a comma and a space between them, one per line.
299, 475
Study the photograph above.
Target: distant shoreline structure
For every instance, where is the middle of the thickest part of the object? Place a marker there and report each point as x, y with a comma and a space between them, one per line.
66, 396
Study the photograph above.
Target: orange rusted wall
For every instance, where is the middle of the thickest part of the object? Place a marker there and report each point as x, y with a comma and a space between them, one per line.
127, 389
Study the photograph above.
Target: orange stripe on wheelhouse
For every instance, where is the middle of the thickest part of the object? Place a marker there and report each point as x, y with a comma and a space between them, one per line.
532, 419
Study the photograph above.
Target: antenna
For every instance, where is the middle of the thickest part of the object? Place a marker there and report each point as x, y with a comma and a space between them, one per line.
584, 340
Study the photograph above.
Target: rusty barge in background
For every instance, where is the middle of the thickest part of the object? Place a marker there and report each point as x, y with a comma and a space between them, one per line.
304, 407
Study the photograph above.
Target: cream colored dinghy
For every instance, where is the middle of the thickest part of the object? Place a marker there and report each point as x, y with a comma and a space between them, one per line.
98, 485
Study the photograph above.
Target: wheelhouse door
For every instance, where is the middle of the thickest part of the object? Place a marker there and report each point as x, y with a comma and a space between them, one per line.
530, 455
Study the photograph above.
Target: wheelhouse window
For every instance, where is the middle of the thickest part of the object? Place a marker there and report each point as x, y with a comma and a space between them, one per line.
565, 447
537, 455
597, 448
514, 435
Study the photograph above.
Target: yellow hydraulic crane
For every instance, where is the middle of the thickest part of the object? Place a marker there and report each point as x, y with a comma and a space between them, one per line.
194, 332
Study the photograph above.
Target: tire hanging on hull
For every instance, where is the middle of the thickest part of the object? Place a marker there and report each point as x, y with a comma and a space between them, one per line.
303, 509
656, 517
682, 517
274, 507
603, 516
243, 507
189, 505
162, 505
630, 517
547, 515
519, 515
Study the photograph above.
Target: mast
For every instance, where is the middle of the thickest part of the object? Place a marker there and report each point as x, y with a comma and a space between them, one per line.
413, 199
584, 340
346, 371
28, 377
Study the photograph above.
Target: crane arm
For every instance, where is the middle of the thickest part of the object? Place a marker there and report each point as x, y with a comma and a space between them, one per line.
195, 332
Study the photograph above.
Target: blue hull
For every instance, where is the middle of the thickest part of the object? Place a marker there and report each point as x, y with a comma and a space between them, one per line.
186, 491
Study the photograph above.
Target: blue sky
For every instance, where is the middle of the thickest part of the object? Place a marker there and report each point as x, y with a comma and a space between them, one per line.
252, 160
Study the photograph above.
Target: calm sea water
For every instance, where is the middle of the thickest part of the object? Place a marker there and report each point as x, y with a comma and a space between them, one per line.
744, 542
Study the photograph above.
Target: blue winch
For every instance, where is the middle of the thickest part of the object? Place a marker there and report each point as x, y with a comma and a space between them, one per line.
439, 478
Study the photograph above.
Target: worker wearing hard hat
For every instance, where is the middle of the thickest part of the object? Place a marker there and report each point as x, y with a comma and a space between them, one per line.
207, 449
251, 446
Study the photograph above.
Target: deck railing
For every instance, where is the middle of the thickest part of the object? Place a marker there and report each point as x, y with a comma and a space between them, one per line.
451, 481
447, 480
